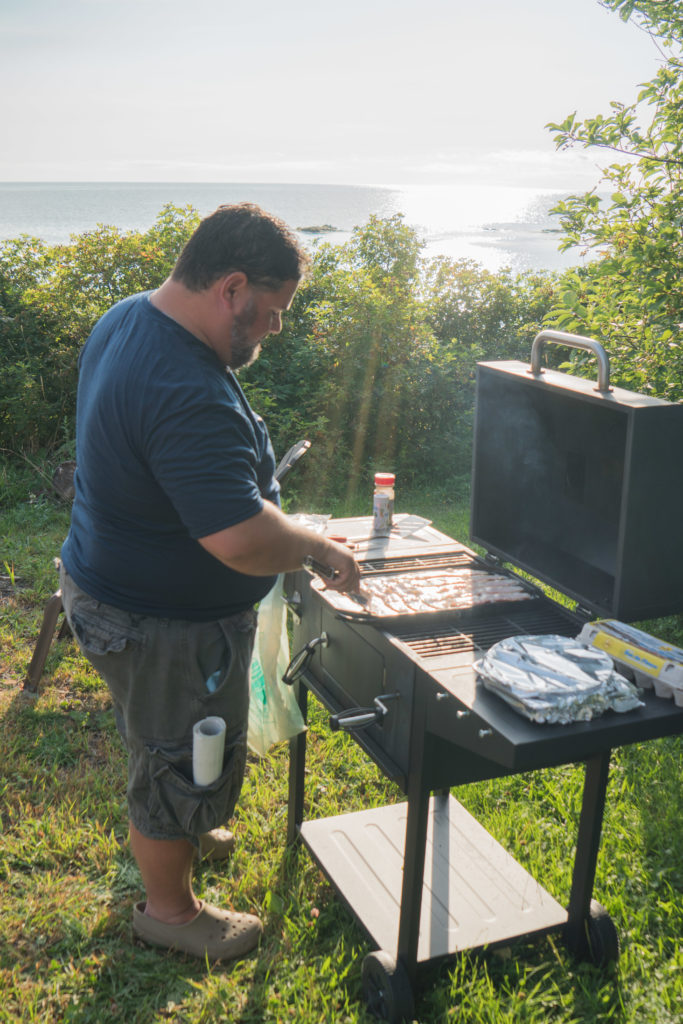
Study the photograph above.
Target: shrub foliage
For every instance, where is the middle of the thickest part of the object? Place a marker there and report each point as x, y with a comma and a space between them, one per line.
50, 296
375, 364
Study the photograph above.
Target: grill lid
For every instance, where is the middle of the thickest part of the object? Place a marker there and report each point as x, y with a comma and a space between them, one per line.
581, 488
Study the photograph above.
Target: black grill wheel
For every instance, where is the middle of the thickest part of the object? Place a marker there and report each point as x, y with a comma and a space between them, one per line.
386, 988
600, 940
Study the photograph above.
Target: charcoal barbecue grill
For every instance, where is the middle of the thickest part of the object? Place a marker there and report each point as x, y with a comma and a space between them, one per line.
580, 494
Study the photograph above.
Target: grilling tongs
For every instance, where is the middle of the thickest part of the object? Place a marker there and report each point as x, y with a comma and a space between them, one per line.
326, 572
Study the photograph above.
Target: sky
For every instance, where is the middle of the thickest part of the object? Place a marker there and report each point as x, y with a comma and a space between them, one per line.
355, 92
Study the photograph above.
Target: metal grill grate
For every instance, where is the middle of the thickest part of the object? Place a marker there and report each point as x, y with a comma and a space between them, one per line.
483, 634
449, 560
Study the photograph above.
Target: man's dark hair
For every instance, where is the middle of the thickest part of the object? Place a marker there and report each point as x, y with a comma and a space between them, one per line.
241, 237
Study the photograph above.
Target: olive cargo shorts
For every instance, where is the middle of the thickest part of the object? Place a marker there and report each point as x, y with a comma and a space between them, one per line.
165, 675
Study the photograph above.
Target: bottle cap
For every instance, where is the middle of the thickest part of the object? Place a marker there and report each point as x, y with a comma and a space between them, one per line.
385, 479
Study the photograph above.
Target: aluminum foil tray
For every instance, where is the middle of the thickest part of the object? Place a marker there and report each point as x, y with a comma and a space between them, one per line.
555, 679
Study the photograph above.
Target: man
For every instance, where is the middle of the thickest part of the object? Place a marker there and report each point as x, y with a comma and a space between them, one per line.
176, 533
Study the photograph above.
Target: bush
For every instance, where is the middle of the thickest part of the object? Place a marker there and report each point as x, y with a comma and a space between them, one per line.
375, 364
50, 297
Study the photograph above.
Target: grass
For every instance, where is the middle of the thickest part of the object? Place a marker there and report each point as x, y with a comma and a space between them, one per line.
69, 883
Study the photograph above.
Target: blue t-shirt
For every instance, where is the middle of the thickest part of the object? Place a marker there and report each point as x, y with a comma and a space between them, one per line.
168, 450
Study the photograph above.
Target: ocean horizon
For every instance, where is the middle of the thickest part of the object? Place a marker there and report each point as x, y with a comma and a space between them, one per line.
496, 226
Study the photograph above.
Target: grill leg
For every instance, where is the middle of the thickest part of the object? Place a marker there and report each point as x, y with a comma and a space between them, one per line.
413, 874
587, 846
297, 764
416, 839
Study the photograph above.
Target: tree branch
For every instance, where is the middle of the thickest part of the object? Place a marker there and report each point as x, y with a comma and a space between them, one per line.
676, 162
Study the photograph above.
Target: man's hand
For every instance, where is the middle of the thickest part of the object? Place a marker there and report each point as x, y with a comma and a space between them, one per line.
347, 571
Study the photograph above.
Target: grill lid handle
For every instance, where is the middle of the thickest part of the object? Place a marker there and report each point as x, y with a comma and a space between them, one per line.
571, 341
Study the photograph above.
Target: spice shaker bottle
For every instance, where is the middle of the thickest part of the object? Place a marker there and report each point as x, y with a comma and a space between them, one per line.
383, 503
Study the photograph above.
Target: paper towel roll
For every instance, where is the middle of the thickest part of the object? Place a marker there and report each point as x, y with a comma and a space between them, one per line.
208, 745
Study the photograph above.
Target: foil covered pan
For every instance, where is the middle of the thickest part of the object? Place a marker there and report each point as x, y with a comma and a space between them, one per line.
555, 679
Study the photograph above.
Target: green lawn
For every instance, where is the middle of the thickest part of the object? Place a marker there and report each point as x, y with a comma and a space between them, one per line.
68, 881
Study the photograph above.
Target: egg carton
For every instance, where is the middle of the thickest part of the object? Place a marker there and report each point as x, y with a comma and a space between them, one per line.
648, 662
669, 683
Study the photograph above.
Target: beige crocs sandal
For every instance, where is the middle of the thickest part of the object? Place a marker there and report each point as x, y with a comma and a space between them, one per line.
216, 845
217, 934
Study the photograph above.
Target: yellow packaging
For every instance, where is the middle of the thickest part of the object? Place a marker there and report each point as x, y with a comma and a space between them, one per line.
629, 654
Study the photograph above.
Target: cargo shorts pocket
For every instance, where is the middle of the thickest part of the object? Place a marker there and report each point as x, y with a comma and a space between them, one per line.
101, 629
176, 804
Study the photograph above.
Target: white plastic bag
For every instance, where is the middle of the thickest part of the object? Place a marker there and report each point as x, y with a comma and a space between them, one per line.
274, 714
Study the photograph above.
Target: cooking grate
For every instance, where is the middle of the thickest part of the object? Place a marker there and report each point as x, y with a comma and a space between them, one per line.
449, 560
481, 635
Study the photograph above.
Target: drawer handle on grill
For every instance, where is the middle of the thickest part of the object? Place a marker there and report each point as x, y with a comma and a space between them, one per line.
360, 718
300, 660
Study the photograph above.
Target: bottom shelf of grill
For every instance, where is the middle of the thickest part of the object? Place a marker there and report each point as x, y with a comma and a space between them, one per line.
474, 893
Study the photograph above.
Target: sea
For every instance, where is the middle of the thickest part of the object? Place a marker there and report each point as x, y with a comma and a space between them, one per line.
495, 226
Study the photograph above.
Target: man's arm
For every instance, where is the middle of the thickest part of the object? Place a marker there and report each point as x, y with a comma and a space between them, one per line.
268, 543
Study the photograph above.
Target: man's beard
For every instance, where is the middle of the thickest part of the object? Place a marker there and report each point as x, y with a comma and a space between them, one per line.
243, 351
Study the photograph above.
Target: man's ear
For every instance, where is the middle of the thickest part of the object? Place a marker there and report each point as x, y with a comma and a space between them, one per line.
233, 287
